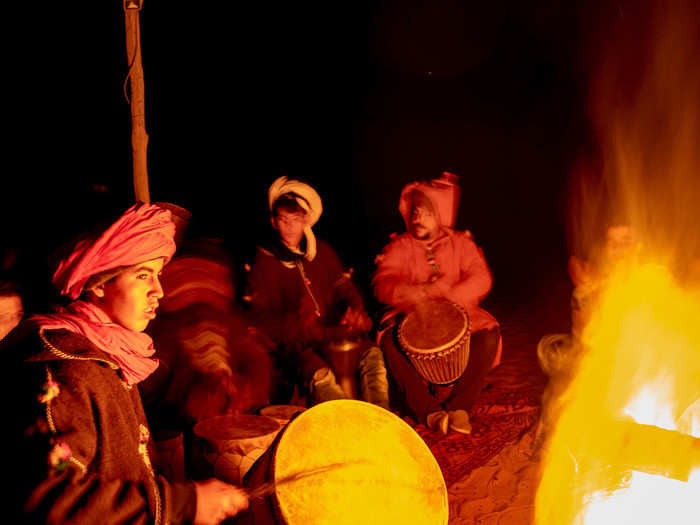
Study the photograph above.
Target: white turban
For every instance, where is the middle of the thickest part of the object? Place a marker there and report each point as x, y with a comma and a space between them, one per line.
309, 201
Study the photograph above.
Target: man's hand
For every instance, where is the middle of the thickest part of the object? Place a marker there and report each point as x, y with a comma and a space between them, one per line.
312, 327
437, 289
356, 320
217, 501
408, 296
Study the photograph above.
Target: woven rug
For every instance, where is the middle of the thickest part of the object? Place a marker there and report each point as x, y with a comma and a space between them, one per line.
509, 405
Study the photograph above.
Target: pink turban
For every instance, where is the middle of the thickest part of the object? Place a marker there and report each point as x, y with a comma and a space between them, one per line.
142, 233
442, 192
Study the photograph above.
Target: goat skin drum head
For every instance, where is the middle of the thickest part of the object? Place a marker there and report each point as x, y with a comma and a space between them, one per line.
354, 463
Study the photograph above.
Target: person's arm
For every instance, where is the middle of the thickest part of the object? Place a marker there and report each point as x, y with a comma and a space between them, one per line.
346, 294
62, 480
217, 501
392, 281
475, 278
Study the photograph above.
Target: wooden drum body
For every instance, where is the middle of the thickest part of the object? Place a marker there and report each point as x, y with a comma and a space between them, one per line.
435, 337
346, 462
344, 355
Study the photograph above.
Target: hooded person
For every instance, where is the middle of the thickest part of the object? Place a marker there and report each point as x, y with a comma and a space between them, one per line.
299, 294
432, 261
87, 446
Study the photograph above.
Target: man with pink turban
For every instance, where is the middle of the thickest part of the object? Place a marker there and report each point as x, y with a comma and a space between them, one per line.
433, 261
87, 448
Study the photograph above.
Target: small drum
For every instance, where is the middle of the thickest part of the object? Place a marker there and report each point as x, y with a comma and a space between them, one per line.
435, 337
227, 446
346, 462
344, 355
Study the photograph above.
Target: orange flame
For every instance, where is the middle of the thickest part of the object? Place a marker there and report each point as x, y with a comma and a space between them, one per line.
625, 447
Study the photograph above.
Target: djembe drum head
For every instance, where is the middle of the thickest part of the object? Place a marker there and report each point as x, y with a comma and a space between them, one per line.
347, 462
435, 338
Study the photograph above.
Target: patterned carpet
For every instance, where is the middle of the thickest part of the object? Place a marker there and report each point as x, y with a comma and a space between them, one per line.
510, 403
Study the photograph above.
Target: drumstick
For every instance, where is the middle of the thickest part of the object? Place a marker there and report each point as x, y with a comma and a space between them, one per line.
268, 487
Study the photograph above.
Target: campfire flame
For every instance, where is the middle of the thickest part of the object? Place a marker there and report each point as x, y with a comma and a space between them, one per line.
625, 445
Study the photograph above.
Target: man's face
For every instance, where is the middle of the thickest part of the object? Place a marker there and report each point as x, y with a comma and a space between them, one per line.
11, 313
619, 243
131, 298
290, 227
423, 224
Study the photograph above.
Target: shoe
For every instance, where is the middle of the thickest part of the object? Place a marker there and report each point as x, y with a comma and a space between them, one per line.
459, 421
438, 421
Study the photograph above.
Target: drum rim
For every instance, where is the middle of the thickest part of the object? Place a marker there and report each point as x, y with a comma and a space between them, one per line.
272, 467
437, 354
427, 352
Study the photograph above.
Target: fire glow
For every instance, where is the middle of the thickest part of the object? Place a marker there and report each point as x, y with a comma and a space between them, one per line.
623, 450
625, 447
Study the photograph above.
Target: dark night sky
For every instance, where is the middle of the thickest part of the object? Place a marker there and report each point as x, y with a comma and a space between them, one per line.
359, 99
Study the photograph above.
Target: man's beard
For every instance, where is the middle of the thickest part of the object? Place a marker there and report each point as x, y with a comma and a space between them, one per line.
420, 232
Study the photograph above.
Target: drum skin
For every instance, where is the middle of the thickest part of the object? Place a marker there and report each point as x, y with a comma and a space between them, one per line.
351, 463
435, 338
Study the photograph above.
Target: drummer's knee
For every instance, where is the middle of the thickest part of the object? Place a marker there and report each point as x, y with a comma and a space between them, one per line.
372, 356
486, 341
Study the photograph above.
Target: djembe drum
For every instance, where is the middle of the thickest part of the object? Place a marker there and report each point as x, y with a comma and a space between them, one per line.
346, 462
435, 338
343, 351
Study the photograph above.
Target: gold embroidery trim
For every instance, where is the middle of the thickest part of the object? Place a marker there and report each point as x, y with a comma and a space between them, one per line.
144, 436
64, 355
78, 464
54, 430
49, 417
306, 282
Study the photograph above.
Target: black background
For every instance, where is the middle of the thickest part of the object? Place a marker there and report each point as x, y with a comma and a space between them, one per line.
358, 99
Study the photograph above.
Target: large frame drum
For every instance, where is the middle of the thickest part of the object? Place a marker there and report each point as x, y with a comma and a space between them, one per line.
435, 338
348, 462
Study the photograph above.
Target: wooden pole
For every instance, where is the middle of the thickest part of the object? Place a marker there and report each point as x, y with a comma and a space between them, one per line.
136, 98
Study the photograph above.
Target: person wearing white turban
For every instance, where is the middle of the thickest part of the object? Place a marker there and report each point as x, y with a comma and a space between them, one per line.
308, 200
299, 293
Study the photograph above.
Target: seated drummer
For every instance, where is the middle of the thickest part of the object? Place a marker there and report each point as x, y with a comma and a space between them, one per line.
85, 444
433, 261
300, 296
